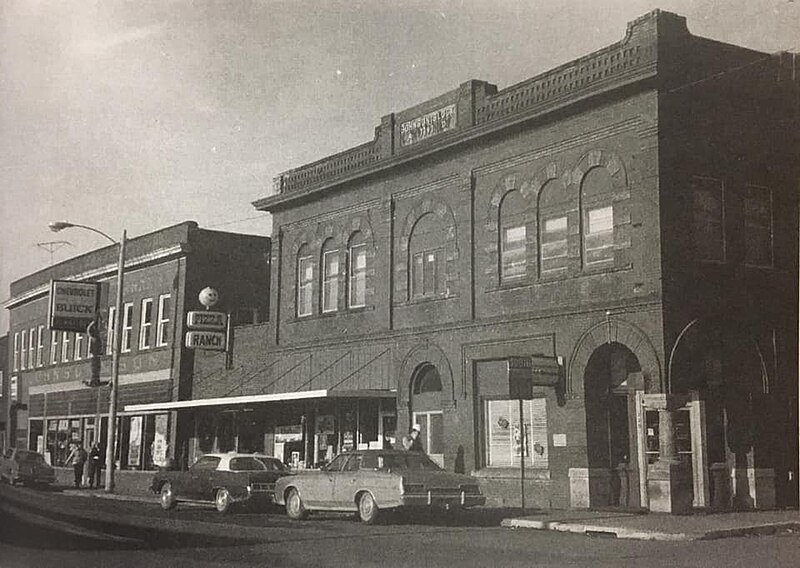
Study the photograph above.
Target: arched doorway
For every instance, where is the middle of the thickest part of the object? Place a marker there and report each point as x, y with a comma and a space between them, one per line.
612, 375
426, 410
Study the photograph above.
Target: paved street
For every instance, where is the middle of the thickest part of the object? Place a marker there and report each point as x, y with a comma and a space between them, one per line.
339, 541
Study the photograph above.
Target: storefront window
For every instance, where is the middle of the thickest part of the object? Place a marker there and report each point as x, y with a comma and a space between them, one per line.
504, 443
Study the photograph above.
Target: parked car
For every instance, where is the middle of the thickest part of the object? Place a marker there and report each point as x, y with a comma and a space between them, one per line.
221, 479
25, 466
370, 481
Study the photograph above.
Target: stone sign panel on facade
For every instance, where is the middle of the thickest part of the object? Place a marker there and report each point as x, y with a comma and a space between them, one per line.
428, 125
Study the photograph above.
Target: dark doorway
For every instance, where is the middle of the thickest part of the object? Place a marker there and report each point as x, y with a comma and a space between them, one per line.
612, 375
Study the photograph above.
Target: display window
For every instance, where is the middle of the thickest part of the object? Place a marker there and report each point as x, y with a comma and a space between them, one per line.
504, 436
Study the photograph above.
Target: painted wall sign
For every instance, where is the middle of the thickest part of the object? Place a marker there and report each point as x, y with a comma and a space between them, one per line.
73, 305
428, 125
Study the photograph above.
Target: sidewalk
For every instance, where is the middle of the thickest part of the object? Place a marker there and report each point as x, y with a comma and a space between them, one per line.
657, 526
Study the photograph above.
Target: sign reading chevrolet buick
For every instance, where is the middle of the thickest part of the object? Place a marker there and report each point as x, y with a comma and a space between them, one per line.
73, 305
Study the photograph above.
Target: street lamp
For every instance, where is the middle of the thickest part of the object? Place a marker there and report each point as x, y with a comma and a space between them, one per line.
56, 226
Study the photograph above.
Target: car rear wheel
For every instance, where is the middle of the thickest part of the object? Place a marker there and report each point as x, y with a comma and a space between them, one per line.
223, 500
294, 506
167, 498
367, 509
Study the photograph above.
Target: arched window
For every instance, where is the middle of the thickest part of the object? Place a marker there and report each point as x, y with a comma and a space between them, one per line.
555, 206
305, 281
329, 291
357, 271
512, 246
428, 380
598, 217
426, 405
426, 257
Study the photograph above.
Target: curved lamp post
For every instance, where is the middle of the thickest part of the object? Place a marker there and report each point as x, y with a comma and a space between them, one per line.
56, 226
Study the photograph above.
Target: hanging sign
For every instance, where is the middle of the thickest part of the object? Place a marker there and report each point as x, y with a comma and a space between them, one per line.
211, 340
73, 305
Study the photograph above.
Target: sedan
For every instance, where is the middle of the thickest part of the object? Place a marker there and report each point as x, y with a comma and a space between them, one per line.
25, 466
221, 479
370, 481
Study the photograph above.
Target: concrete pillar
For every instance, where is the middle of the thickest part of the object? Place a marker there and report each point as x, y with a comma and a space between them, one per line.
669, 482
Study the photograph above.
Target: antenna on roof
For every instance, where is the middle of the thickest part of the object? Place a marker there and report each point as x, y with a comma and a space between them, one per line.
53, 246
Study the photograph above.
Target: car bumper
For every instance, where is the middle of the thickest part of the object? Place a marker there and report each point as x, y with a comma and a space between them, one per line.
443, 501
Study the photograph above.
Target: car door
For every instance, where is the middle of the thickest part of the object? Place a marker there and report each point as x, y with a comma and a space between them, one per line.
346, 483
198, 482
320, 491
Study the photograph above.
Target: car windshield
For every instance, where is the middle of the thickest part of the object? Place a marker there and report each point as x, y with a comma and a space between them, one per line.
247, 464
409, 461
29, 457
272, 464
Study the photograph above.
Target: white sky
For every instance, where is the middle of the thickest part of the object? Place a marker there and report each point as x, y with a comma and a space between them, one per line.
141, 114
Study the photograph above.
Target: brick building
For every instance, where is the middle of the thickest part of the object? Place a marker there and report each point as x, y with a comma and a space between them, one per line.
164, 272
622, 227
5, 399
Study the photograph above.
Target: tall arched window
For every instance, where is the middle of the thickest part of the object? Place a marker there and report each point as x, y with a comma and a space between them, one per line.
357, 271
426, 258
597, 213
305, 282
512, 245
426, 406
329, 291
556, 207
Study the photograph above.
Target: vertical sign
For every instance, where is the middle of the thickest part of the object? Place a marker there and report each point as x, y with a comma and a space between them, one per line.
135, 444
73, 305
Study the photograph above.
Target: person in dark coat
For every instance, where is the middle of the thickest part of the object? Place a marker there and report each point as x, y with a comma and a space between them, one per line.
95, 465
77, 457
412, 442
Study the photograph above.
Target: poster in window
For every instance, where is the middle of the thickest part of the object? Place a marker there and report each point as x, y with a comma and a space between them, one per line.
135, 444
159, 448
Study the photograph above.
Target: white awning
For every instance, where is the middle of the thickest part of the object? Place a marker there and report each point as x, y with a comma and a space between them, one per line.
256, 398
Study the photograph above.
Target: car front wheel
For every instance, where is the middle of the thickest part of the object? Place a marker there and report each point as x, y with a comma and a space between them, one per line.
294, 506
223, 500
167, 497
367, 509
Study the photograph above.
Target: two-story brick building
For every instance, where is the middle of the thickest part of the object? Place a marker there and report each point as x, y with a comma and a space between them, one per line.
623, 227
164, 272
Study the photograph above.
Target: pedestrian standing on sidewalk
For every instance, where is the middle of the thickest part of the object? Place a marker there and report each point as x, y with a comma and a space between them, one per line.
95, 465
412, 442
78, 458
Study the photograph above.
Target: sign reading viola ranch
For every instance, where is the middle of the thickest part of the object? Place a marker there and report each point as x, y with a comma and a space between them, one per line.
73, 305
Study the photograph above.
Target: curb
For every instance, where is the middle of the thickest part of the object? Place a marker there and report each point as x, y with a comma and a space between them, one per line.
595, 530
640, 534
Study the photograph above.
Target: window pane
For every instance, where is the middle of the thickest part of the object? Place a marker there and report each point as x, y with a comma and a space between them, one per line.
358, 275
330, 285
554, 244
505, 437
599, 238
513, 252
305, 283
146, 323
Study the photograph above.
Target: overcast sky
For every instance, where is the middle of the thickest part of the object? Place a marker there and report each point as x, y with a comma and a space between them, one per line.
141, 114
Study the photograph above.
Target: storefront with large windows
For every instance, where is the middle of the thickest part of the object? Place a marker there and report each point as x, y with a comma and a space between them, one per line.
302, 429
142, 439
